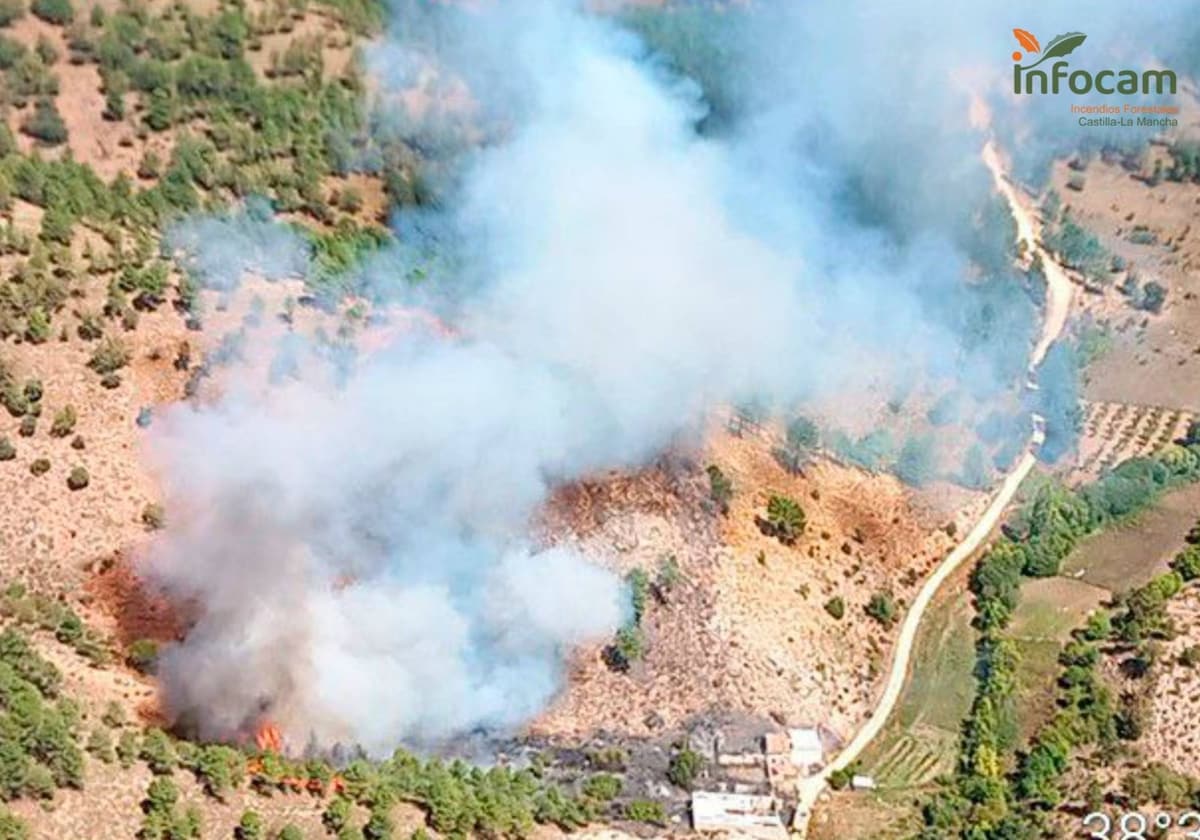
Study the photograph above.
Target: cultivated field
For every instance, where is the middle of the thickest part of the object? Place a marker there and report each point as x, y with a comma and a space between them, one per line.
1128, 555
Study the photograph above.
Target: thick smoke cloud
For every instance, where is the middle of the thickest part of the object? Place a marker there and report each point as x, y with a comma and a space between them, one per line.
356, 547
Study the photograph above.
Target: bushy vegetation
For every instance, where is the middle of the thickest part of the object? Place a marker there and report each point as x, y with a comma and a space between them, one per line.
646, 811
460, 800
1079, 248
142, 655
685, 765
1185, 161
163, 819
836, 607
785, 519
882, 608
629, 645
34, 610
801, 438
39, 748
720, 488
915, 465
874, 451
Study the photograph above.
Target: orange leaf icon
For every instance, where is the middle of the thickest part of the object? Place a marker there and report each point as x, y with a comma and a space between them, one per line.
1027, 40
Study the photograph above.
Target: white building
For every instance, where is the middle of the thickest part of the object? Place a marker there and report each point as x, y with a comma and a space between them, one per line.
740, 813
807, 754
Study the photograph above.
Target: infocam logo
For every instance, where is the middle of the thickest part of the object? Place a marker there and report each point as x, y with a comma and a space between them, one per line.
1028, 80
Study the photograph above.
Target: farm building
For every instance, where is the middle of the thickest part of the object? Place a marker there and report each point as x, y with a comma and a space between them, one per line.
744, 814
792, 753
807, 753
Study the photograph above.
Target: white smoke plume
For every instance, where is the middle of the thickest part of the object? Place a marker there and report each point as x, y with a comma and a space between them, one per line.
357, 548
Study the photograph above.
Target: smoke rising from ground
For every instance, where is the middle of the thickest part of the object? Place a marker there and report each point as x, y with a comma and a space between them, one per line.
357, 547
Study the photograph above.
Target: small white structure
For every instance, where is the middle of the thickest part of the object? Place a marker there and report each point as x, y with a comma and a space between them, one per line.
862, 783
807, 753
742, 813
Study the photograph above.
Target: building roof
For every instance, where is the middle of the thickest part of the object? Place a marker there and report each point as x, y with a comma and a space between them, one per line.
806, 746
745, 812
776, 743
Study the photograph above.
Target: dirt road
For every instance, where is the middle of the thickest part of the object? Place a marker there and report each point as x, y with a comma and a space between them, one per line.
1059, 289
1058, 305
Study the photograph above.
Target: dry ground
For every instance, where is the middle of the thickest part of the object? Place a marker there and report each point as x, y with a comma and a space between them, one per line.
1172, 734
748, 631
1155, 360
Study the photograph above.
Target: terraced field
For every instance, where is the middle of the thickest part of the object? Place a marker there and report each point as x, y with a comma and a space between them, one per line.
920, 740
1114, 431
916, 758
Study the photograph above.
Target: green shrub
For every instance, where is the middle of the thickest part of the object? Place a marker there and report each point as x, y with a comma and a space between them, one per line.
127, 749
1187, 563
602, 787
836, 607
250, 827
219, 768
336, 815
39, 782
639, 592
12, 827
7, 450
720, 488
78, 478
64, 422
37, 326
840, 779
100, 745
40, 466
627, 648
785, 519
379, 827
915, 463
110, 356
161, 795
54, 11
646, 811
882, 608
684, 767
143, 655
10, 11
45, 124
158, 753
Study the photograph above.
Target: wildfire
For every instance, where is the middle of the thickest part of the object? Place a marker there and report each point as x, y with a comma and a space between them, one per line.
269, 738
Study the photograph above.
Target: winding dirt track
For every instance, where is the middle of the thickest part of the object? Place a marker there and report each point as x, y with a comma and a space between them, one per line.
1058, 304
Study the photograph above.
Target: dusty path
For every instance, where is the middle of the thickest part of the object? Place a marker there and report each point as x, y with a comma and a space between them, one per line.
1058, 305
1059, 289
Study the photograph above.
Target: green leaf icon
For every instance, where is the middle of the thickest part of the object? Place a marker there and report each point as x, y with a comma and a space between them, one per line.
1062, 45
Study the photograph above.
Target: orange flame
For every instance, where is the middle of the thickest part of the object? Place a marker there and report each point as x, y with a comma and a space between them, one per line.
269, 738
